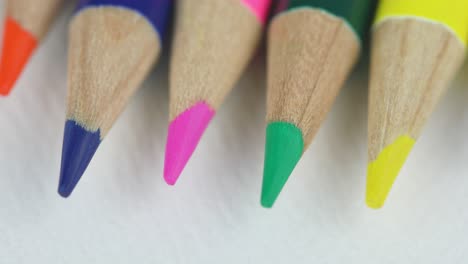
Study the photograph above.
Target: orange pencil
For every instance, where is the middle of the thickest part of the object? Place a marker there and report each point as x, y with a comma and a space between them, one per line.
26, 23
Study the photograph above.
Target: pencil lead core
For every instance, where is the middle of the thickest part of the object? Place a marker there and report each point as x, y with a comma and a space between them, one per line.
283, 149
79, 146
382, 172
183, 136
18, 45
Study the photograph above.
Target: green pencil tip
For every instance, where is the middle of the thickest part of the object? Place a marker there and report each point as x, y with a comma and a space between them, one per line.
283, 149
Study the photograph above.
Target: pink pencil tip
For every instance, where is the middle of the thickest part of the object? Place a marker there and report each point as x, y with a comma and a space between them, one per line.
170, 179
183, 136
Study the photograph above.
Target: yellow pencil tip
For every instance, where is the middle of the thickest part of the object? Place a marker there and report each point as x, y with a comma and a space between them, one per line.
382, 172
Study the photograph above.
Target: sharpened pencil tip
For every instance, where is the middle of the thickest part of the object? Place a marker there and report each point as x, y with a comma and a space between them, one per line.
79, 146
382, 172
283, 149
183, 136
18, 45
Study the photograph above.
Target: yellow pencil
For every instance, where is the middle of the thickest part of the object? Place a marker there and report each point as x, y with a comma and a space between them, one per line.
417, 48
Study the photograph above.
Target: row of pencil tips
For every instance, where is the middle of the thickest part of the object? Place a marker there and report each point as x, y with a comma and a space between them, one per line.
416, 49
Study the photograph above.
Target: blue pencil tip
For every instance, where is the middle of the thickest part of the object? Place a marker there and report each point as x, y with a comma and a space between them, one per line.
79, 146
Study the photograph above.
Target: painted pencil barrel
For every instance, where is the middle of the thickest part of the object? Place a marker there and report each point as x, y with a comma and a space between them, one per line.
355, 12
156, 11
259, 8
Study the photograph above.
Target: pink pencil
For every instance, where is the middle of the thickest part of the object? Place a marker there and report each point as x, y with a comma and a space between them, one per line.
213, 43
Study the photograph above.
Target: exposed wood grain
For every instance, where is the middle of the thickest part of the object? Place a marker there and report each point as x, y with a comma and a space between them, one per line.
413, 62
310, 54
111, 51
213, 42
33, 15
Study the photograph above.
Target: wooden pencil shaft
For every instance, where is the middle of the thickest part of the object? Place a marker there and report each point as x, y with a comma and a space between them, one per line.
111, 51
213, 42
310, 54
33, 15
413, 62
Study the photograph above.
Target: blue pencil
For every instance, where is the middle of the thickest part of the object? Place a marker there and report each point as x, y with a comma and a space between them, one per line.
113, 45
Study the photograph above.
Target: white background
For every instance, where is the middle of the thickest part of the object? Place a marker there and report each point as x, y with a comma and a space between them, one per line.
123, 212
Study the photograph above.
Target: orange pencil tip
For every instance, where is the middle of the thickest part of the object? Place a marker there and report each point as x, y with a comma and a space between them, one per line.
18, 45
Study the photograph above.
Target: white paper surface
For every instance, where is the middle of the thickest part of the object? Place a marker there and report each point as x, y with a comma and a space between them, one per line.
123, 212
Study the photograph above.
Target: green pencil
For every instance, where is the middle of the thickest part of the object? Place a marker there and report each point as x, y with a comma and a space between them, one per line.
312, 47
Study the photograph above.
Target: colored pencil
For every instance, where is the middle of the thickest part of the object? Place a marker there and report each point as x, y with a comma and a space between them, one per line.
214, 40
25, 25
417, 48
312, 47
113, 45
